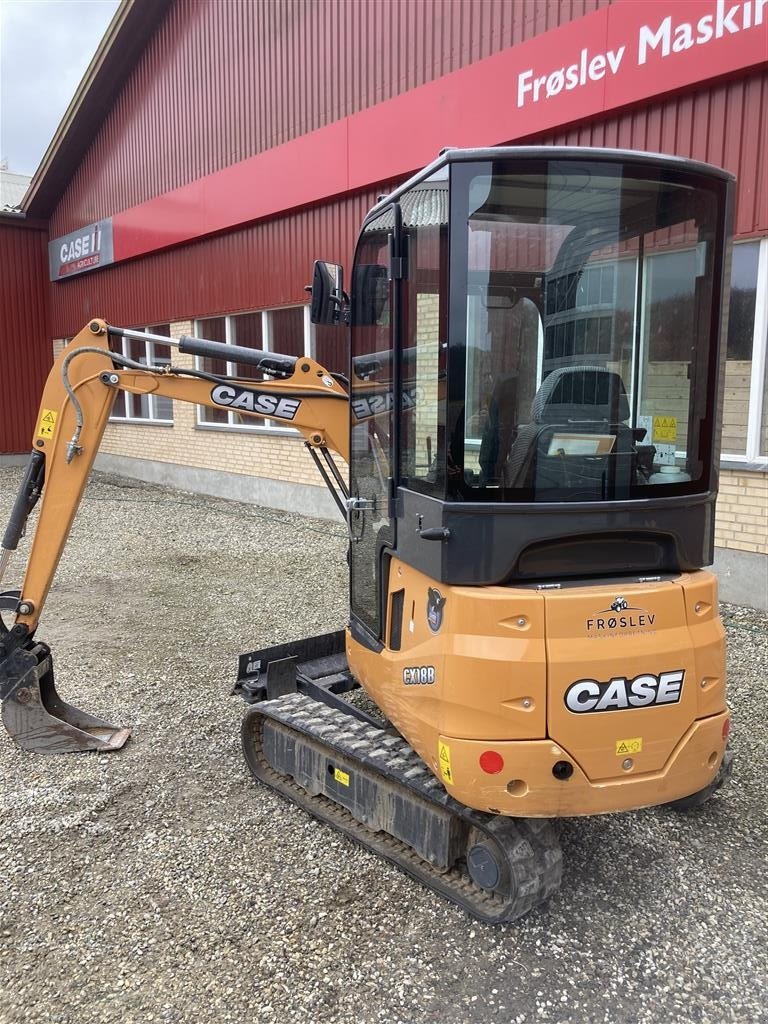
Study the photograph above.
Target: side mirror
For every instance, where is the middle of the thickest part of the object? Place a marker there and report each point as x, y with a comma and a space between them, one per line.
327, 293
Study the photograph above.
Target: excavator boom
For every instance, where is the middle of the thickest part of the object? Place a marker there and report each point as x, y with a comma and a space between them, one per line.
76, 404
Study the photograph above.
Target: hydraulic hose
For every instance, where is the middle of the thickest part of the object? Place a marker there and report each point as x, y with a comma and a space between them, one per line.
73, 445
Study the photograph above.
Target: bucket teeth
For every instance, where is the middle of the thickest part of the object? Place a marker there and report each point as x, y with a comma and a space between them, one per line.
38, 719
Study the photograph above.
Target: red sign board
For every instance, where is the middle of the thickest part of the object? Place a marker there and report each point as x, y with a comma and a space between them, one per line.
620, 55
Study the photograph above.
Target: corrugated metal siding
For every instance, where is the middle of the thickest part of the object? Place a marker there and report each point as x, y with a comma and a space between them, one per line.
268, 264
724, 124
265, 265
220, 82
25, 349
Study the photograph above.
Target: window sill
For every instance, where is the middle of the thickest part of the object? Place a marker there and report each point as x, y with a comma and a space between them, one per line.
231, 428
141, 422
742, 466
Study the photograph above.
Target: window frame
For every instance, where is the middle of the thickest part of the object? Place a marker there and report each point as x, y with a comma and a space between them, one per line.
269, 427
751, 457
153, 419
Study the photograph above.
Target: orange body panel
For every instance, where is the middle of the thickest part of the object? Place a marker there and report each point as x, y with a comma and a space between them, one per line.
495, 673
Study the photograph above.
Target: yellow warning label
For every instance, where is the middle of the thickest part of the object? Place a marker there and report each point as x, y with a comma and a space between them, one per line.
47, 423
633, 746
340, 776
665, 429
444, 756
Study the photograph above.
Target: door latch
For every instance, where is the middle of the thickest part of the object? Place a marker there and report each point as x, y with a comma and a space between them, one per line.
360, 504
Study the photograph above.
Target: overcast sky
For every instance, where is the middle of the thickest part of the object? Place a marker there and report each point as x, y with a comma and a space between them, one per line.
45, 48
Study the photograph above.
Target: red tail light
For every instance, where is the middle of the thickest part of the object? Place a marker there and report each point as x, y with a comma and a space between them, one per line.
491, 762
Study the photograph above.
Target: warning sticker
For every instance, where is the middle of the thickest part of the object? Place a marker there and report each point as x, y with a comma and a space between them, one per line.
632, 746
340, 776
444, 756
664, 429
47, 423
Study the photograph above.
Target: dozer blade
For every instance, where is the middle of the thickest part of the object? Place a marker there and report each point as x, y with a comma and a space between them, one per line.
38, 719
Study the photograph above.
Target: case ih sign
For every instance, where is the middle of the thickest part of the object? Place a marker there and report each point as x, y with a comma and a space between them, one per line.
630, 52
87, 249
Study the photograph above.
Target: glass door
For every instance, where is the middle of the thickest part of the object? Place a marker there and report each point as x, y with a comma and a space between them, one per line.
372, 419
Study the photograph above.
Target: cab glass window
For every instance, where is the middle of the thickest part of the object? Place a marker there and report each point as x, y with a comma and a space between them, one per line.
584, 340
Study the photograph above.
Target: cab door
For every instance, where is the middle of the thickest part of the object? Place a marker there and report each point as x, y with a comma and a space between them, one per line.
373, 381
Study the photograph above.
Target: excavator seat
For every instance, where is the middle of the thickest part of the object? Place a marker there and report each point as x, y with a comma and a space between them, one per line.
560, 447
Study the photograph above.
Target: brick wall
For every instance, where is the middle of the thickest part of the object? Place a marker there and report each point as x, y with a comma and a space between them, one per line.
742, 506
280, 457
742, 511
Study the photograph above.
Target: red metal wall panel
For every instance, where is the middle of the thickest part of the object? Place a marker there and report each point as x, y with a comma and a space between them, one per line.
220, 82
269, 263
261, 266
25, 348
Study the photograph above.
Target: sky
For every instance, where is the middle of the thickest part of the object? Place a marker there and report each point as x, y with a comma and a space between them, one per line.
45, 48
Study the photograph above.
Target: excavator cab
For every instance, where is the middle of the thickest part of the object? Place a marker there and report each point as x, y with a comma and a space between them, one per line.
535, 378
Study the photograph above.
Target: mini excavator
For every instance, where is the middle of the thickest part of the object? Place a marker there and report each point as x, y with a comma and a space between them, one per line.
531, 426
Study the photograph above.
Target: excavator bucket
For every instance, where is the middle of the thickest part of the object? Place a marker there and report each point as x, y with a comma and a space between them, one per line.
33, 712
38, 719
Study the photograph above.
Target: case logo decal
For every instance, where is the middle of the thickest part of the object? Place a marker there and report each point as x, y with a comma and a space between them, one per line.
622, 694
435, 606
261, 402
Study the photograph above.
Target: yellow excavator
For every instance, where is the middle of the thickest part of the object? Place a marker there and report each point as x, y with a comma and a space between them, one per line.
531, 425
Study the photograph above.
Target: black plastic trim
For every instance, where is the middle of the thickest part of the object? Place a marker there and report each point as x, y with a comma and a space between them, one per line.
396, 621
361, 636
453, 156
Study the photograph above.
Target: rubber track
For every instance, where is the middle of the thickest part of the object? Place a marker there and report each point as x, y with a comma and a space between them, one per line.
529, 845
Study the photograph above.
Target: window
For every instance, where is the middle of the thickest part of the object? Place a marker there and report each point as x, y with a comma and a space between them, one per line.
581, 372
745, 406
372, 418
425, 319
285, 330
144, 408
332, 347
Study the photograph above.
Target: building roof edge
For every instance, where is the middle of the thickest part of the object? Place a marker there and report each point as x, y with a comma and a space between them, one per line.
122, 43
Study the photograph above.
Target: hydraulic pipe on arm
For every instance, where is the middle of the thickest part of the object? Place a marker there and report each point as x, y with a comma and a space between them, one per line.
75, 407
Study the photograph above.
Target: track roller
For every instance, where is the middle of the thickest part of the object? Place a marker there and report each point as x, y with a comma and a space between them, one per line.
371, 785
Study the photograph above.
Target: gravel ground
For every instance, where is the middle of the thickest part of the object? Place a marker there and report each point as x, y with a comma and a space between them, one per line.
162, 884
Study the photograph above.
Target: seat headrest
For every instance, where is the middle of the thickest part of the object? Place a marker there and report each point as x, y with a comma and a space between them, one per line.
580, 393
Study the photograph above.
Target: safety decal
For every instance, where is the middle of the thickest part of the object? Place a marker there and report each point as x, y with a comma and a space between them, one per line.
47, 423
664, 429
444, 758
435, 606
340, 776
419, 675
633, 746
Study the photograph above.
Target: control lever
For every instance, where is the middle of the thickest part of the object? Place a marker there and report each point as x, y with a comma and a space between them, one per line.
434, 533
